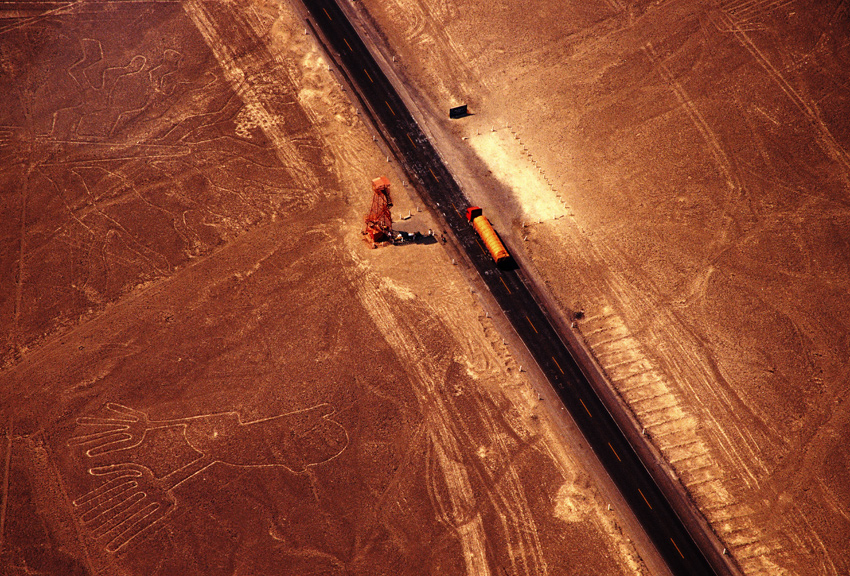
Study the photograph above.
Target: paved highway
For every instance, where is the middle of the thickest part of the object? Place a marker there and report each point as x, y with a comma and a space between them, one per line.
421, 161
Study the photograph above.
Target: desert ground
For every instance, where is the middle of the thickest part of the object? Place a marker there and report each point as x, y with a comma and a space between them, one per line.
205, 370
678, 173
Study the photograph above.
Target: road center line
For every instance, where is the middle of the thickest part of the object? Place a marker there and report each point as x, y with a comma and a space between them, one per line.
558, 365
677, 548
650, 507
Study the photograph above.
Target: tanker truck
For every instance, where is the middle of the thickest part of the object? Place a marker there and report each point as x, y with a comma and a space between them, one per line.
488, 235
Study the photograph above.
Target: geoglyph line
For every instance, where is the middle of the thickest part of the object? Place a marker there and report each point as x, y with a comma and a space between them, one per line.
137, 493
442, 422
721, 159
244, 73
4, 496
827, 141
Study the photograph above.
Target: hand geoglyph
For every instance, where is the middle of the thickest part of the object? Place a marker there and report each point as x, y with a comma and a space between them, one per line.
124, 430
128, 503
143, 460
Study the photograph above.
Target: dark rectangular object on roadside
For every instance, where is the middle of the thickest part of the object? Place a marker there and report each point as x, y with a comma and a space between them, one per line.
458, 112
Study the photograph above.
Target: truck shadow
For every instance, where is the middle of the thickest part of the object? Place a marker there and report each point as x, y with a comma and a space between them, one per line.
508, 264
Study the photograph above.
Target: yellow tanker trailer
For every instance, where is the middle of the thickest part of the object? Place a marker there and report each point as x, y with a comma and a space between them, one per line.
488, 235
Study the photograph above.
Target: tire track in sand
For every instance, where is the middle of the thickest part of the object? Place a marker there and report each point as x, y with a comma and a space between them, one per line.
456, 505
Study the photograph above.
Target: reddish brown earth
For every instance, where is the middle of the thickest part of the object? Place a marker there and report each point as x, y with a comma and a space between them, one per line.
205, 369
679, 173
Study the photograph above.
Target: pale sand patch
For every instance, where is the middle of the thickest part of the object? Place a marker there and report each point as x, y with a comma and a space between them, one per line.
499, 150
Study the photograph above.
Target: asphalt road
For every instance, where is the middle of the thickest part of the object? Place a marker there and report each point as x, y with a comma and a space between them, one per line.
421, 161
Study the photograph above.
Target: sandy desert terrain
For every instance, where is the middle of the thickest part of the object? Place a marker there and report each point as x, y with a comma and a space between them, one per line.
205, 370
676, 171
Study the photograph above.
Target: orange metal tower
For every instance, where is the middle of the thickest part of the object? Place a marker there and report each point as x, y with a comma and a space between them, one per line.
379, 220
